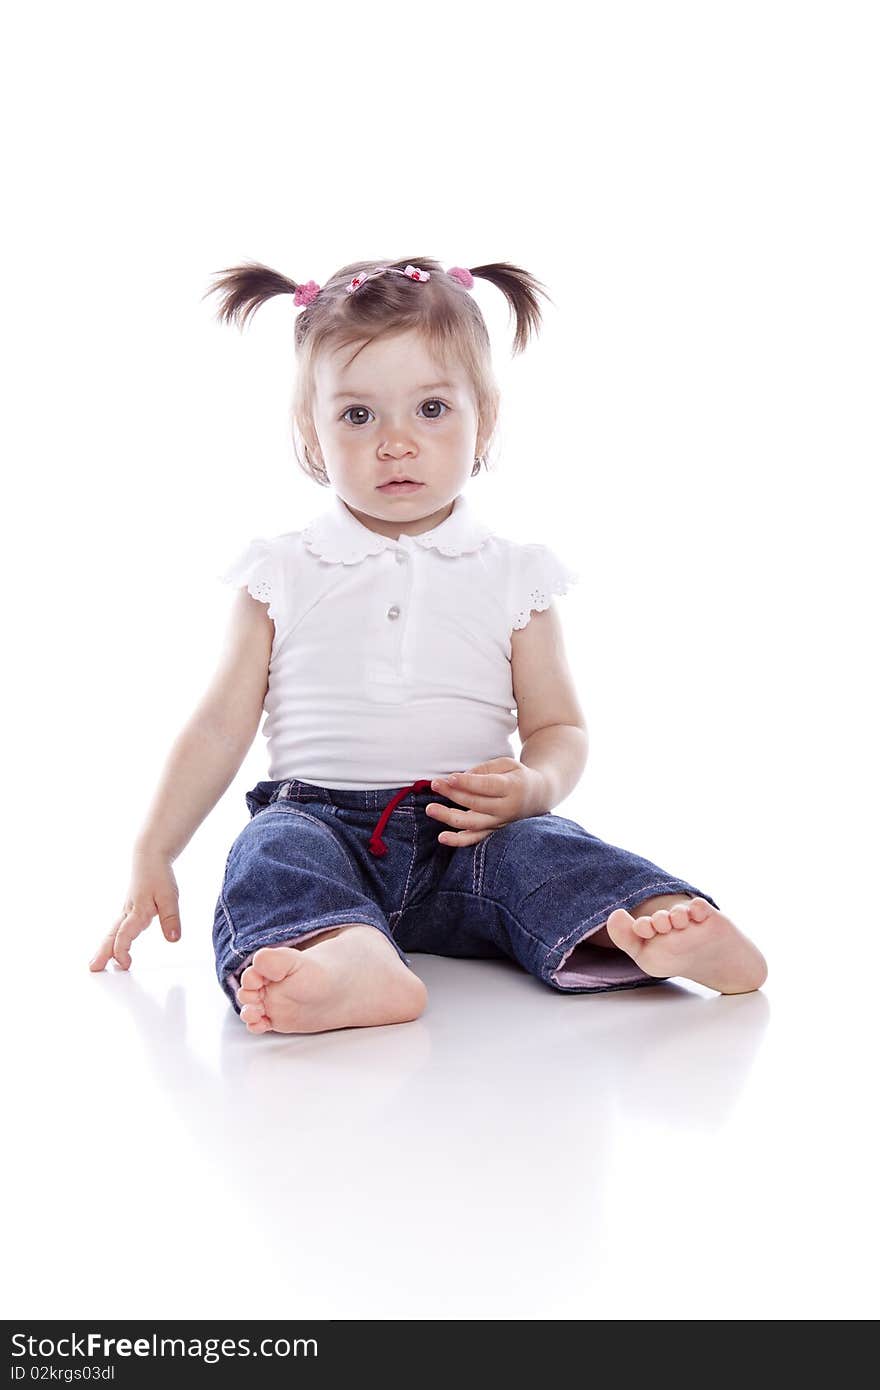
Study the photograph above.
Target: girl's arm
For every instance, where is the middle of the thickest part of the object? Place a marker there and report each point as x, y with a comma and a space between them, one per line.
203, 761
559, 753
550, 720
212, 745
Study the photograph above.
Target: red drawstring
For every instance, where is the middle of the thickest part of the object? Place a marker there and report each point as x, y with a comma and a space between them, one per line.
377, 845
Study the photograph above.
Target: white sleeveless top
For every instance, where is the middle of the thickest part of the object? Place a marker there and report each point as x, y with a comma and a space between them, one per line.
391, 658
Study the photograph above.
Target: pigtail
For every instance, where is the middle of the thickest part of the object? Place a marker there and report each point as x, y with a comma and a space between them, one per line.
244, 288
521, 290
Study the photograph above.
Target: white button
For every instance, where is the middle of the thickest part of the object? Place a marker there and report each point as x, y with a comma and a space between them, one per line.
393, 612
399, 556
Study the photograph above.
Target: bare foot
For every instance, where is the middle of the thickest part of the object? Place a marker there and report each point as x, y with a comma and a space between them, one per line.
354, 979
694, 941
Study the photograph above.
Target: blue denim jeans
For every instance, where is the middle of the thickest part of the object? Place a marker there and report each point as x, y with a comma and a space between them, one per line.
533, 891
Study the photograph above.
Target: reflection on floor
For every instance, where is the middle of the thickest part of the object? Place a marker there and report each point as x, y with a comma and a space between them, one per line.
514, 1153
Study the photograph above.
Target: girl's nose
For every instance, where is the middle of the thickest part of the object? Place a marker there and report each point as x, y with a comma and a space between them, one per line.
397, 452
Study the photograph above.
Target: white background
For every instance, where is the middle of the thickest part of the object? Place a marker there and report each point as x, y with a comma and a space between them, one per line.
695, 430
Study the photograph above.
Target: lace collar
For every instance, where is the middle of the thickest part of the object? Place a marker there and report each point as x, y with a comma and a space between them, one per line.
337, 535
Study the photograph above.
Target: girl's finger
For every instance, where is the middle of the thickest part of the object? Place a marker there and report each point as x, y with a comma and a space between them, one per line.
456, 839
470, 827
481, 783
105, 950
467, 795
469, 791
461, 820
131, 928
461, 798
101, 956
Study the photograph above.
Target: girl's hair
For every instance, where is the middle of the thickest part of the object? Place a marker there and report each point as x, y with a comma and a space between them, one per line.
440, 309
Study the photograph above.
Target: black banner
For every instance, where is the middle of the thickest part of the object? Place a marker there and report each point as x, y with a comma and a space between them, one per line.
139, 1352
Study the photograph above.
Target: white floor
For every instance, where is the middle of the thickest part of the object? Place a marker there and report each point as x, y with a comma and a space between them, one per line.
514, 1153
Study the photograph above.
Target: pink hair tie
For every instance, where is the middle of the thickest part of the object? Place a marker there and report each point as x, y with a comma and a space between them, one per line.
463, 276
307, 293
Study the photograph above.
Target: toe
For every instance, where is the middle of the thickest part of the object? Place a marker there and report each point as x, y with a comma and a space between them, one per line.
252, 979
678, 916
264, 1026
661, 921
620, 920
621, 929
699, 909
275, 962
253, 1013
644, 927
249, 996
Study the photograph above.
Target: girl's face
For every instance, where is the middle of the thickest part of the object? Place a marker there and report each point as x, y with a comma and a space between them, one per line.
394, 414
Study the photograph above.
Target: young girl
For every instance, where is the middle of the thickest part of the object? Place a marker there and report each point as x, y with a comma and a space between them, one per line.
395, 643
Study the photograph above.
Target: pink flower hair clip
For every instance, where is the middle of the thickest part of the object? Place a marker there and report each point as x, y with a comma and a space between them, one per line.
358, 280
412, 272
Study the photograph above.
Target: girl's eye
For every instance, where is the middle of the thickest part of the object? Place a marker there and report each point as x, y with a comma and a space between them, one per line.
365, 409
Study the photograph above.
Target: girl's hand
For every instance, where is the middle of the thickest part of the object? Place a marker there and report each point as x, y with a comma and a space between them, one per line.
153, 890
496, 793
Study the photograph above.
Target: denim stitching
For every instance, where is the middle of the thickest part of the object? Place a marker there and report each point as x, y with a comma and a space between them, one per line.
231, 925
415, 843
289, 810
499, 866
636, 896
317, 924
456, 893
337, 919
480, 866
600, 917
537, 888
371, 798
